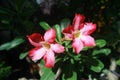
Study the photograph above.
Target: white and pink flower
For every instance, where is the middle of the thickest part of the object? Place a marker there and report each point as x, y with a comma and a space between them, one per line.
45, 47
79, 32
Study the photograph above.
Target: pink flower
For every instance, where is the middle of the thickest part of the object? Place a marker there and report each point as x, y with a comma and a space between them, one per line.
45, 47
79, 33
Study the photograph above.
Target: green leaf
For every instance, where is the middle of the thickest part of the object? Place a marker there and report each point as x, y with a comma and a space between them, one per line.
23, 55
85, 48
64, 23
44, 25
14, 43
93, 63
47, 73
5, 46
118, 62
73, 77
58, 31
100, 43
77, 57
98, 67
4, 69
104, 51
67, 43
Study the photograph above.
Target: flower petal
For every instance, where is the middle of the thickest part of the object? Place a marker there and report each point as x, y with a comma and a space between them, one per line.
50, 35
88, 40
78, 20
68, 31
35, 39
37, 53
88, 28
49, 59
57, 48
77, 45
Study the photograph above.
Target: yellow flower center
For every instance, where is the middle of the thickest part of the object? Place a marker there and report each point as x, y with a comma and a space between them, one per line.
77, 34
46, 45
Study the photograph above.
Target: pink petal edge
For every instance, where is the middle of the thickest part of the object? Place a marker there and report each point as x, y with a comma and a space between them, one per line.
78, 20
77, 45
49, 59
50, 35
88, 40
88, 28
37, 53
57, 48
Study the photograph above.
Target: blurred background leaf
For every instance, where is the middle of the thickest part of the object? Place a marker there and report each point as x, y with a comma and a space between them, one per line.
12, 44
4, 69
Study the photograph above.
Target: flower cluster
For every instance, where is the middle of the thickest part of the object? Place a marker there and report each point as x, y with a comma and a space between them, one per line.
46, 46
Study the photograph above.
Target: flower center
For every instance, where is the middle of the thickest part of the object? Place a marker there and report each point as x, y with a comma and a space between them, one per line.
46, 45
76, 34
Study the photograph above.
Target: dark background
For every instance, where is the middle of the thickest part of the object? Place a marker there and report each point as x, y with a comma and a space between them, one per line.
22, 17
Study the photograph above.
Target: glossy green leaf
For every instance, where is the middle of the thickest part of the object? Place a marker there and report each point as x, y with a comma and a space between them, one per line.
93, 64
45, 25
17, 41
100, 43
23, 55
47, 73
14, 43
98, 67
105, 51
58, 31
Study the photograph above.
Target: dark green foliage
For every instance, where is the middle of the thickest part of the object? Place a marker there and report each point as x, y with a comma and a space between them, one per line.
5, 70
